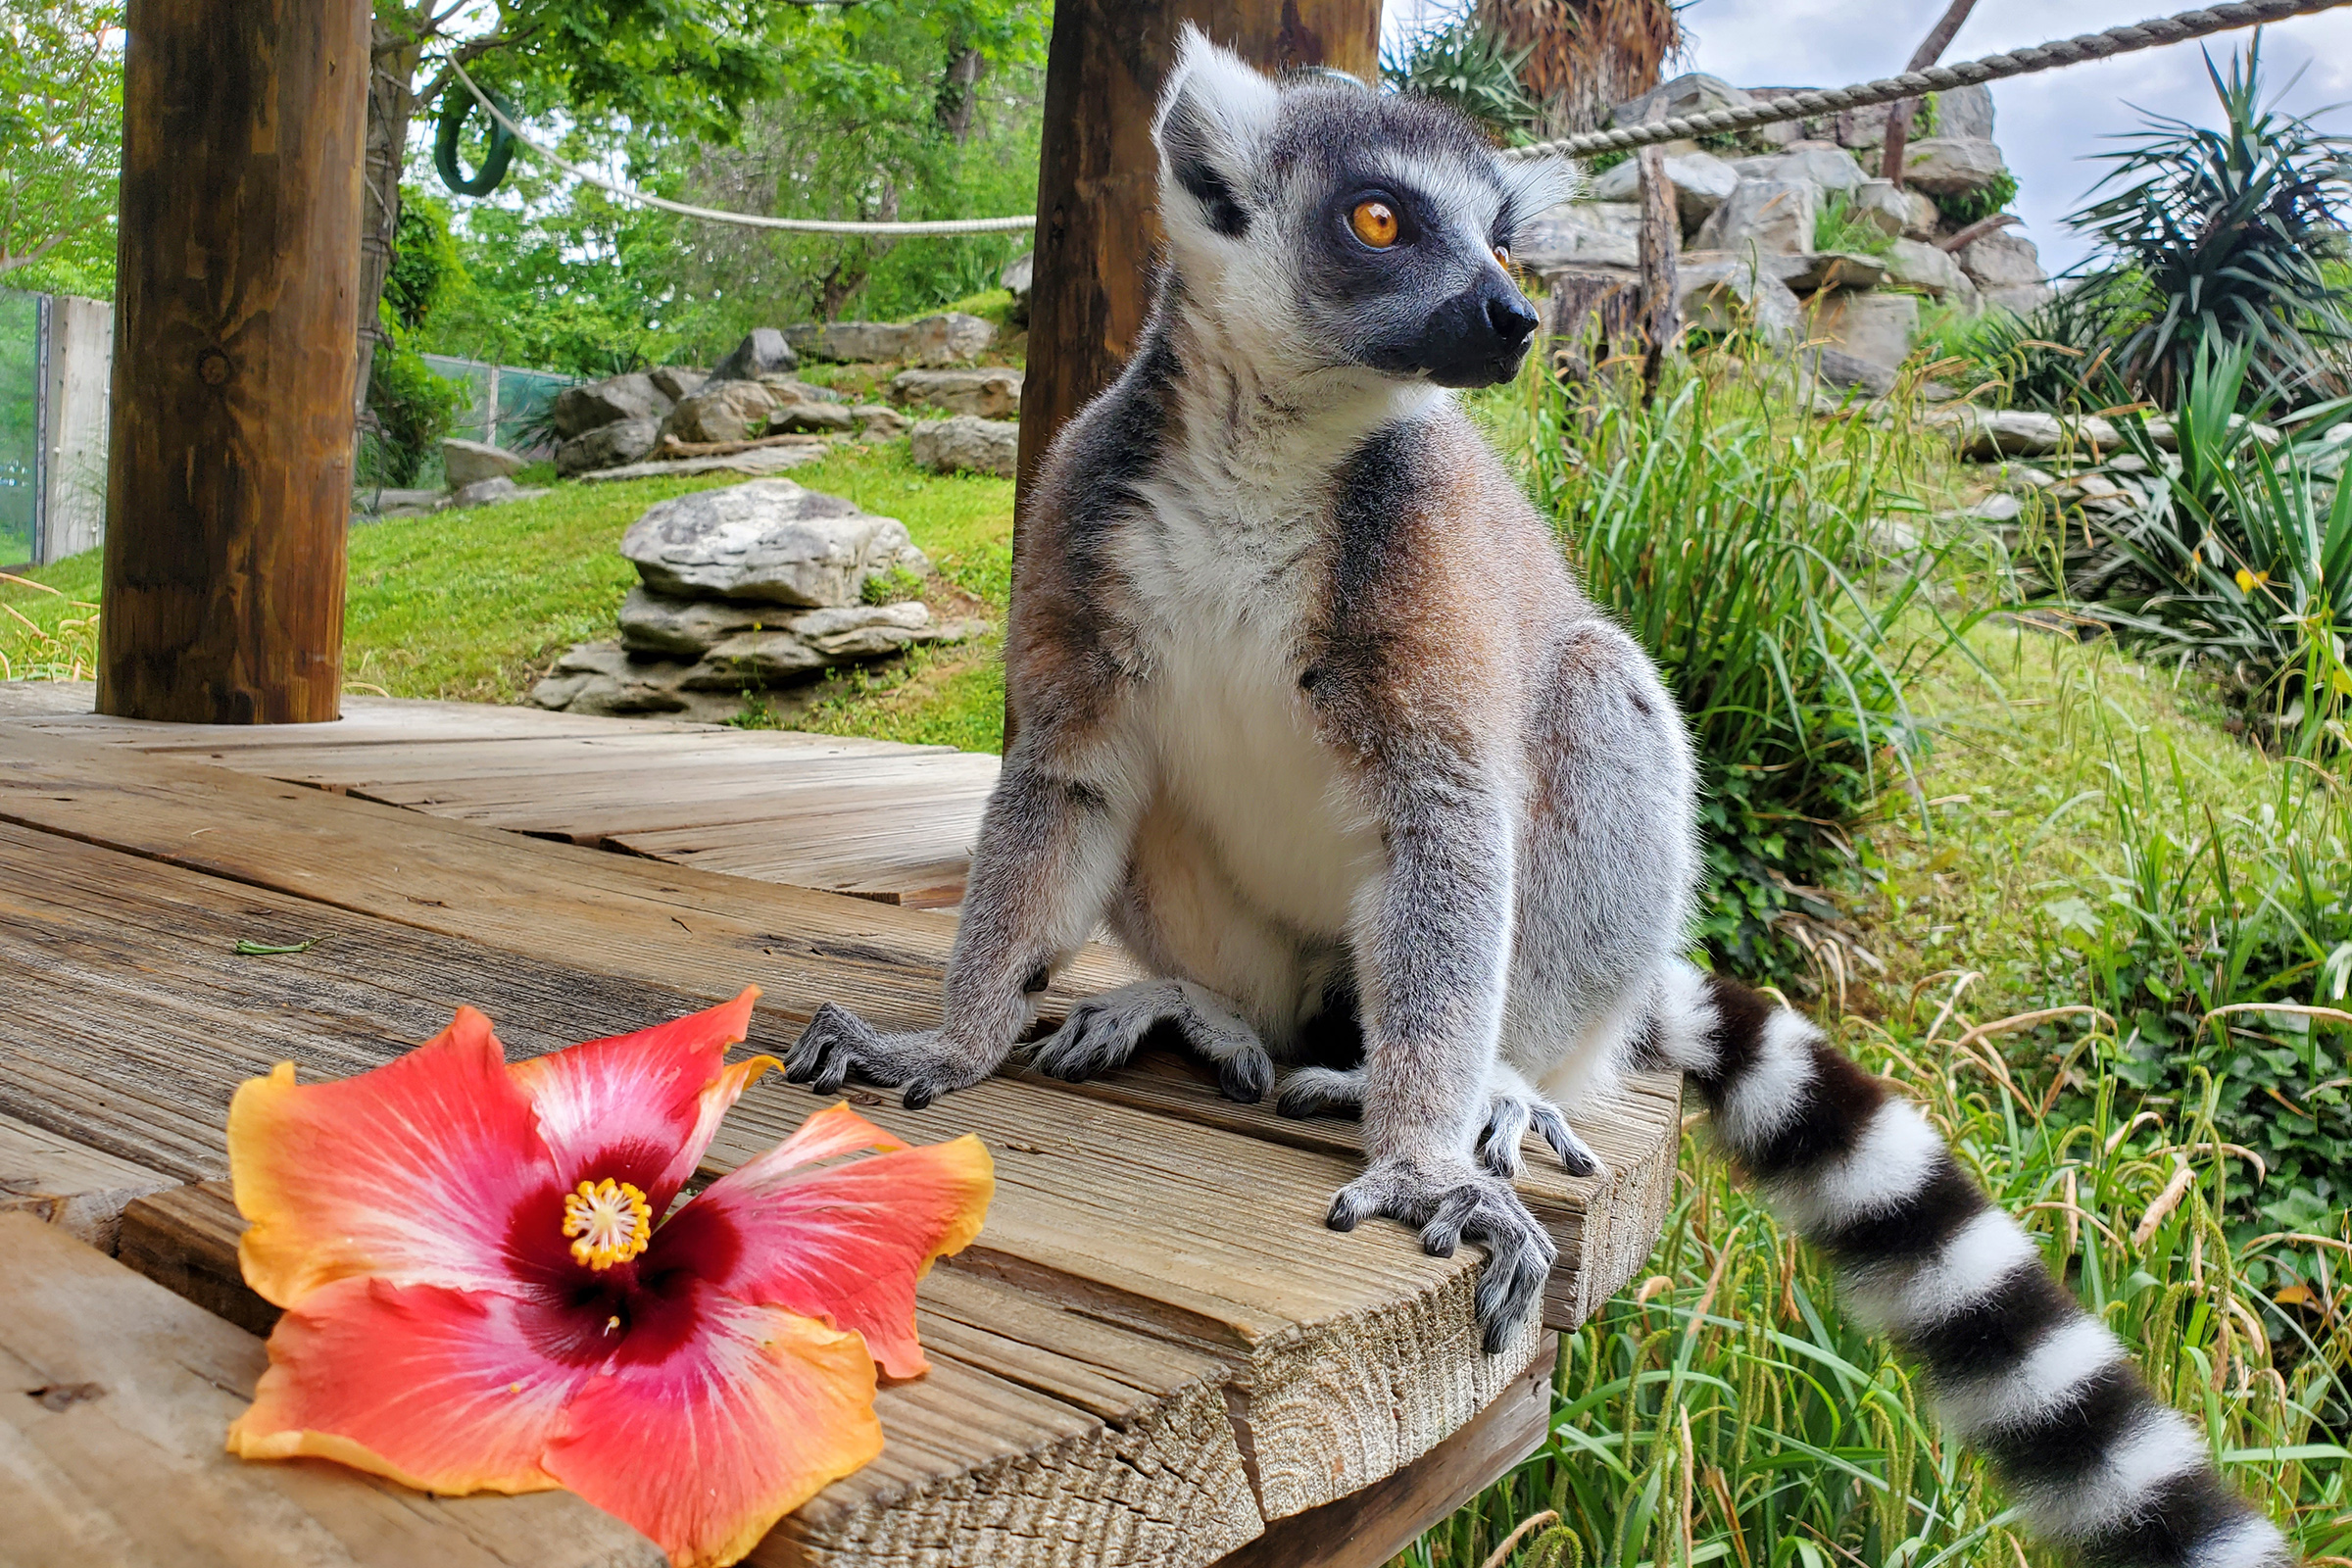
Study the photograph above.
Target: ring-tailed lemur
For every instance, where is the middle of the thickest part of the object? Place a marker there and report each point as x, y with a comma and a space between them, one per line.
1311, 710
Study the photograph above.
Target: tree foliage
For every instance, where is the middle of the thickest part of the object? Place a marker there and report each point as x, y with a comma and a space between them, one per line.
61, 141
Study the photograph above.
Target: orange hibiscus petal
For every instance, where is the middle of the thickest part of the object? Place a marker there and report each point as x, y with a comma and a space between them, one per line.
845, 1243
440, 1390
415, 1171
716, 1419
641, 1107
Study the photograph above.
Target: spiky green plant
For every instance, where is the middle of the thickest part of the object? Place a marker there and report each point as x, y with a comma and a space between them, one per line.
1461, 62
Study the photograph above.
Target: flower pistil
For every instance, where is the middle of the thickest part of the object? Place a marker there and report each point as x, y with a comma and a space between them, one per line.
611, 1221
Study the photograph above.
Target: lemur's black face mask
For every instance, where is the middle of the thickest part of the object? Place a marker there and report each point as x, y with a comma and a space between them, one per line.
1420, 299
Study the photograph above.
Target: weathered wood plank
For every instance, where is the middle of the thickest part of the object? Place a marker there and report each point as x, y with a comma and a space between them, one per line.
1035, 1424
79, 1190
1374, 1525
115, 1396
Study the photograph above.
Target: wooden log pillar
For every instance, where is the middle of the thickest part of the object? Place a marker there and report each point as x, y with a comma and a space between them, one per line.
1098, 232
229, 476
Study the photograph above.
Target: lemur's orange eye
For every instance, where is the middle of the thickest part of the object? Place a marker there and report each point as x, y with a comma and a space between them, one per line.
1375, 224
1503, 257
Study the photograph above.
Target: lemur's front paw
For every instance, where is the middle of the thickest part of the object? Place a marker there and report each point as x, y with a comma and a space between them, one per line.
1450, 1202
1103, 1032
1509, 1115
838, 1044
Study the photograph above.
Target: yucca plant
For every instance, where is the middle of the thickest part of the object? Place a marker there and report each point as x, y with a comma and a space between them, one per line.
1464, 64
2223, 232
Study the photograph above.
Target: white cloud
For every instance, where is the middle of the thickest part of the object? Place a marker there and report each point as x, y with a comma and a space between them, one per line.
2047, 125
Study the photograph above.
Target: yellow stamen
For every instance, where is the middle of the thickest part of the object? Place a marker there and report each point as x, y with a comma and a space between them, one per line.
612, 1220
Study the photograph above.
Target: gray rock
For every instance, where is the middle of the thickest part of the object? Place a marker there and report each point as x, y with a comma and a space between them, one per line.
1965, 112
1904, 214
791, 389
675, 381
2020, 299
600, 678
1815, 270
1950, 166
1691, 94
1768, 216
966, 443
2003, 258
766, 540
993, 393
825, 419
471, 461
1984, 434
762, 352
954, 338
607, 446
2000, 506
653, 623
752, 460
1872, 325
880, 421
1015, 279
1929, 271
1583, 234
722, 410
1837, 368
1723, 293
578, 409
1831, 169
488, 492
1702, 183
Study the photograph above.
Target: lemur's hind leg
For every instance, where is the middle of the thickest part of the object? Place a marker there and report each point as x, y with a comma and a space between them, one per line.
1102, 1033
1512, 1106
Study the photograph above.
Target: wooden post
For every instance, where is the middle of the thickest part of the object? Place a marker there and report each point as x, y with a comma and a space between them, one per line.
228, 482
1661, 237
1097, 234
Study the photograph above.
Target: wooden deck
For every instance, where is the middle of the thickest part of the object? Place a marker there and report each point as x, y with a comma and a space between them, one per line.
1155, 1353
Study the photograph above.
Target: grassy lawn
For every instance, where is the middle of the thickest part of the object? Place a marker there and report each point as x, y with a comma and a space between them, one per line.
475, 606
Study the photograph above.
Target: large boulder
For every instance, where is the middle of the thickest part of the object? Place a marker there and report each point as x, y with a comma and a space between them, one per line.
722, 410
467, 463
880, 421
994, 393
1986, 434
813, 417
1702, 183
607, 446
1811, 271
595, 404
1015, 279
1691, 94
953, 338
966, 444
675, 381
1903, 213
1721, 292
1583, 234
2003, 258
1871, 325
1965, 112
763, 352
1768, 216
1951, 166
1829, 169
768, 540
1931, 270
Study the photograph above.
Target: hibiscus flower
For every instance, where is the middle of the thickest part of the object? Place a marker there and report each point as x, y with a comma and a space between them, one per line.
485, 1289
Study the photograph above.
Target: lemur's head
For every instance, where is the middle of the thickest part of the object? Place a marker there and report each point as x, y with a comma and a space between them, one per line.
1345, 226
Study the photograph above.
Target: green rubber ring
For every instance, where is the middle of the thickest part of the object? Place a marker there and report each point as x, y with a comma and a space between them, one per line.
445, 147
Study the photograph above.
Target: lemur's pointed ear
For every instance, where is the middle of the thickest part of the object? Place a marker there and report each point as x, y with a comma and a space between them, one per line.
1213, 113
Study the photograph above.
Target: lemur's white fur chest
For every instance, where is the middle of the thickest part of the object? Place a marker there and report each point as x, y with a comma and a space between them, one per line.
1226, 567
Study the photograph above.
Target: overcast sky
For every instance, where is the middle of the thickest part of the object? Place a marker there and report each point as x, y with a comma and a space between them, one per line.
2046, 123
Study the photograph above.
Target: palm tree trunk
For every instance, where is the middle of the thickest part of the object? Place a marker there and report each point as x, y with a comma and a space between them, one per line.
1584, 56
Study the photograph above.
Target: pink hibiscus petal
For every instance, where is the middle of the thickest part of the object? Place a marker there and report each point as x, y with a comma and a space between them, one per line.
843, 1242
641, 1107
716, 1419
417, 1171
440, 1390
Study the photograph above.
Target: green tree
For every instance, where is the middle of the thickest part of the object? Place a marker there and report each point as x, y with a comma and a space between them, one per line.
60, 140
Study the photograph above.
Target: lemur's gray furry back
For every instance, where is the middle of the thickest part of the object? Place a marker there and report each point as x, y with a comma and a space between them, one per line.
1311, 713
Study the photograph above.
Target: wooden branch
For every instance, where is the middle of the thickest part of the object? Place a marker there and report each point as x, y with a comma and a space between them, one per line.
1955, 244
1661, 232
1898, 122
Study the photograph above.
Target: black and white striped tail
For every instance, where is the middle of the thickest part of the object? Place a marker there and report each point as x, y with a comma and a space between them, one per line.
2020, 1370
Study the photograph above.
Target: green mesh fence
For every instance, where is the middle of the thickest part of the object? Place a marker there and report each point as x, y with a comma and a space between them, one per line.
19, 423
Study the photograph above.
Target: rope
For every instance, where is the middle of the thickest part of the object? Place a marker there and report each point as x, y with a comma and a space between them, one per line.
797, 225
2151, 34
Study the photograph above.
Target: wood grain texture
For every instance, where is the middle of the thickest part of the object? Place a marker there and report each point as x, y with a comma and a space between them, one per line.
229, 477
79, 1190
1370, 1526
114, 1397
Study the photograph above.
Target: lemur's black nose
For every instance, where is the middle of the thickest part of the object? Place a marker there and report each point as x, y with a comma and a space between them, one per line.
1511, 318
